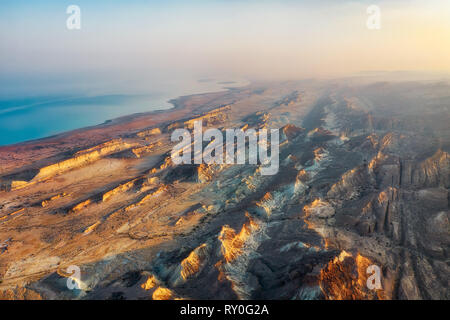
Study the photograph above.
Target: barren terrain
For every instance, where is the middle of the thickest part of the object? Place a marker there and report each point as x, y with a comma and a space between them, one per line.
363, 180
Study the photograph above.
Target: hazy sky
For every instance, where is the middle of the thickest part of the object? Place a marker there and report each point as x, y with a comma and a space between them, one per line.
129, 45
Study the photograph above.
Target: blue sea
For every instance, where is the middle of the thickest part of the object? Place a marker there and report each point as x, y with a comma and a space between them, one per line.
23, 119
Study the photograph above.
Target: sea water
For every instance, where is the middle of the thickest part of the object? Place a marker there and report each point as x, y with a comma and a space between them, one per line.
23, 119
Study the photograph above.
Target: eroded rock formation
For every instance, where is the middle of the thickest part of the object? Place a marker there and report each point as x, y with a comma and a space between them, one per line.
359, 184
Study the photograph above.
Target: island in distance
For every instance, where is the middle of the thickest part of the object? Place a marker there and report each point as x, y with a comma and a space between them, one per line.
363, 181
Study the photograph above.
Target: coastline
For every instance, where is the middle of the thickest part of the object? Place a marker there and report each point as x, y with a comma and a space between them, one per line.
47, 149
38, 117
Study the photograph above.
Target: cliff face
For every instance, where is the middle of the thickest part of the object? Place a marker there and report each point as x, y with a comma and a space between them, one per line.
432, 172
194, 262
148, 133
77, 160
192, 265
232, 242
82, 158
346, 277
214, 118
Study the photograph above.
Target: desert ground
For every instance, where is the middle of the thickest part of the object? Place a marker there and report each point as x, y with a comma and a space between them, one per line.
363, 180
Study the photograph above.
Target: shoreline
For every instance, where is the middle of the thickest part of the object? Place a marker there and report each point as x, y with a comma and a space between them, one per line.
38, 126
121, 119
33, 152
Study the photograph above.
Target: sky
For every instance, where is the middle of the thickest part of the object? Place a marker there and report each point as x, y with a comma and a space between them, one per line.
131, 46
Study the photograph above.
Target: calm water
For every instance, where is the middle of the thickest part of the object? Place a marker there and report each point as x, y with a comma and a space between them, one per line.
32, 118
